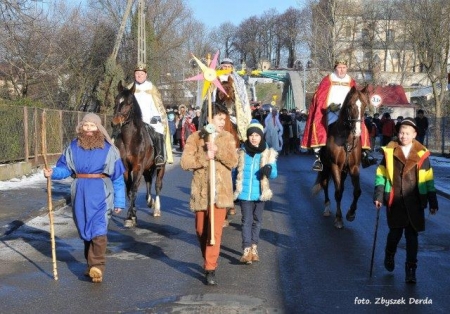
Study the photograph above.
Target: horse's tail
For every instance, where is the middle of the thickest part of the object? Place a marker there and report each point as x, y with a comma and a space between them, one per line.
321, 180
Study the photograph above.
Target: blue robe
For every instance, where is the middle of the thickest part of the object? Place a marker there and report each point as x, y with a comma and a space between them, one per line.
93, 199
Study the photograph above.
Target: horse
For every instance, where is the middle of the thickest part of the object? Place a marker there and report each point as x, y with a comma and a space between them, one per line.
136, 151
342, 154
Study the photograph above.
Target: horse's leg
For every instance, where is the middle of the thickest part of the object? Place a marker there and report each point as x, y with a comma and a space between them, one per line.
324, 183
148, 175
339, 179
158, 186
131, 220
351, 214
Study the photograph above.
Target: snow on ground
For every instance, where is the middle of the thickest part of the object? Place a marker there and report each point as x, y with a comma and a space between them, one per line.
36, 179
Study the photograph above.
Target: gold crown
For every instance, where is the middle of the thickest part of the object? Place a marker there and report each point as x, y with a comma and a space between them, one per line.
141, 67
340, 61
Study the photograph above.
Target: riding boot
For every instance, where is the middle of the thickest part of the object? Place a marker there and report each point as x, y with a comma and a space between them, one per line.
367, 160
160, 149
410, 272
317, 166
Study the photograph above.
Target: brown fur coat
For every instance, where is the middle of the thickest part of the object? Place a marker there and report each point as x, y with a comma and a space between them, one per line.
195, 158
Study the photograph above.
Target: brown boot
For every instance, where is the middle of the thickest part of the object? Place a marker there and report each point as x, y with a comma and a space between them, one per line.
96, 274
247, 256
255, 256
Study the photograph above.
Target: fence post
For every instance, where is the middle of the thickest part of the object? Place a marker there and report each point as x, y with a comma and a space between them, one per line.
36, 131
25, 133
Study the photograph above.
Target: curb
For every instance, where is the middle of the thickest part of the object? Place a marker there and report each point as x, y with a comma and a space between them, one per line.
16, 224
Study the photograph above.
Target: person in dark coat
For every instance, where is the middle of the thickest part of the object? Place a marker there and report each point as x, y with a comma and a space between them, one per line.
422, 126
404, 183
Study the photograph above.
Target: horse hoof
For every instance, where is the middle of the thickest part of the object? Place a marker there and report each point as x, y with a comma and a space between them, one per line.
157, 213
338, 224
350, 217
130, 223
326, 213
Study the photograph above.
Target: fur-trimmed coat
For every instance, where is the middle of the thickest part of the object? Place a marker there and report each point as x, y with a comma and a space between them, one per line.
194, 158
405, 185
250, 184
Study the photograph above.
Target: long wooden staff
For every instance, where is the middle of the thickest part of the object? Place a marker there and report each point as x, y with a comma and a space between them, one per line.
49, 193
212, 168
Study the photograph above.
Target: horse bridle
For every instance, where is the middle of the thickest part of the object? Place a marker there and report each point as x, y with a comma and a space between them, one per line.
125, 116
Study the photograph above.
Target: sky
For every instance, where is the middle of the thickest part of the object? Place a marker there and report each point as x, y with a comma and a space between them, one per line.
216, 12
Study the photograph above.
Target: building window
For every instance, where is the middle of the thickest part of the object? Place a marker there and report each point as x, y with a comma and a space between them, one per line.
390, 35
348, 31
365, 34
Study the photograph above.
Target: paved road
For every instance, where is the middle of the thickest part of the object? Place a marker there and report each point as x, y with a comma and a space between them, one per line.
307, 266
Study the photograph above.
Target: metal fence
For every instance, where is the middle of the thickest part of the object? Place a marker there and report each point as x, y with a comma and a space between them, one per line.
437, 139
21, 131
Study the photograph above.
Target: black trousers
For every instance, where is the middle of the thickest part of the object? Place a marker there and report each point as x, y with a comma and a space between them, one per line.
412, 243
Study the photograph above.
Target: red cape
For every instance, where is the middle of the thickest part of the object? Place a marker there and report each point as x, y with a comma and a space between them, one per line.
316, 125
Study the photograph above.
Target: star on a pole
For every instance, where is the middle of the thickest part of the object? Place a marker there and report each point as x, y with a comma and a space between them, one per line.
209, 74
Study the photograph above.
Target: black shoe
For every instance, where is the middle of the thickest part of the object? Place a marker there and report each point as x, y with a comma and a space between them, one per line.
159, 161
317, 166
211, 278
368, 160
410, 272
389, 261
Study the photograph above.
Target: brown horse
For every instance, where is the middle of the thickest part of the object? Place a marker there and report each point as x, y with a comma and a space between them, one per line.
342, 154
136, 151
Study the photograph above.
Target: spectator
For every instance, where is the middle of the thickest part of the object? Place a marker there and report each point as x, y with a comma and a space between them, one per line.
397, 124
422, 126
387, 128
273, 130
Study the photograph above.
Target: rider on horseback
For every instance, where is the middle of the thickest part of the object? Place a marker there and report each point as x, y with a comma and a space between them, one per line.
324, 110
241, 114
153, 114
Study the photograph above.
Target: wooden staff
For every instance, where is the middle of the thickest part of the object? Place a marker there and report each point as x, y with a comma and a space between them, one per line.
212, 167
49, 194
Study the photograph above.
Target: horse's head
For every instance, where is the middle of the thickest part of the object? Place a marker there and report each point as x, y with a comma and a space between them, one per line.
126, 106
229, 97
353, 108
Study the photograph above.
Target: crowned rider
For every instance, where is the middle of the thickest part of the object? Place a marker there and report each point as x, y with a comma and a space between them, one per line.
153, 114
324, 110
242, 113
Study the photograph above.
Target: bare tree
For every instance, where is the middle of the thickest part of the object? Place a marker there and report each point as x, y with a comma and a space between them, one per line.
430, 35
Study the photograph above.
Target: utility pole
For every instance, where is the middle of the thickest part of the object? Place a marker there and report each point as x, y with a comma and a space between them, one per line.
121, 30
142, 50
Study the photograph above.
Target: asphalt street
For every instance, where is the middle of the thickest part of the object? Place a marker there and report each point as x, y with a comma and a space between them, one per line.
307, 265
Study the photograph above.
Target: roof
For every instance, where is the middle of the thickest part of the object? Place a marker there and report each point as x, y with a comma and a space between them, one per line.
392, 95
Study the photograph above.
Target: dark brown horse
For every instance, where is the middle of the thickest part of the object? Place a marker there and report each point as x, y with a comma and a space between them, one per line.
342, 154
136, 151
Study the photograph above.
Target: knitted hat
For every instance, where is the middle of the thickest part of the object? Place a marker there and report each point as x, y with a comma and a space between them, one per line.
93, 118
409, 121
255, 127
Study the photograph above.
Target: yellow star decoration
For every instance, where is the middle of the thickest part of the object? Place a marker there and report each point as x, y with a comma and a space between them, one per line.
209, 74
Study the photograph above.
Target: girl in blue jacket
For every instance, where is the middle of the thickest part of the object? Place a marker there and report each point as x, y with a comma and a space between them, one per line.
257, 164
